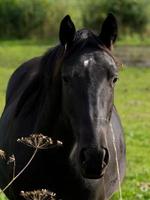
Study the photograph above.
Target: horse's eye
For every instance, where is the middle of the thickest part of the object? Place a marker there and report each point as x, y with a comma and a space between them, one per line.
114, 80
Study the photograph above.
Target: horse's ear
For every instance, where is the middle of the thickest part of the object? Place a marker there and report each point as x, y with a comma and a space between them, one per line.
67, 30
109, 31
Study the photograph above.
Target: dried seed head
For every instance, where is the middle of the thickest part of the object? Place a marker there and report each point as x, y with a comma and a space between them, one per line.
42, 194
2, 154
39, 141
11, 159
144, 186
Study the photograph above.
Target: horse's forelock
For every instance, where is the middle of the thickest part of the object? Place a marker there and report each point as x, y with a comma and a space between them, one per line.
85, 38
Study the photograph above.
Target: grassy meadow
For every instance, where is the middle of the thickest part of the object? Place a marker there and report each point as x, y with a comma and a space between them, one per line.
132, 99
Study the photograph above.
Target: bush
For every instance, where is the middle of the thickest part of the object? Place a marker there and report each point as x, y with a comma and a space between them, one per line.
56, 10
34, 18
130, 14
18, 18
41, 18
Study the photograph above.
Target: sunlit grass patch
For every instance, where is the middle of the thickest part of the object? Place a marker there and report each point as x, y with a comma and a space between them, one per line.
132, 101
2, 196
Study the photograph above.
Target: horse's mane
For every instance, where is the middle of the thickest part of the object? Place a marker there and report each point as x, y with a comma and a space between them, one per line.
50, 63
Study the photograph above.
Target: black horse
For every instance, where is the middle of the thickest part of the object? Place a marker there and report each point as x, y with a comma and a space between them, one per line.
66, 94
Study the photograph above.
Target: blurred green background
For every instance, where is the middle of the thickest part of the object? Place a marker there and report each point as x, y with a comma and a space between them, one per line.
30, 27
40, 18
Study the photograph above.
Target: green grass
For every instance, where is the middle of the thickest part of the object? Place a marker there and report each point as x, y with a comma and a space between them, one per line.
134, 40
132, 101
13, 53
132, 98
2, 197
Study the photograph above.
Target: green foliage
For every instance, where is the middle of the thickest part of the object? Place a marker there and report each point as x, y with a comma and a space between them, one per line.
130, 14
56, 10
41, 18
21, 18
35, 18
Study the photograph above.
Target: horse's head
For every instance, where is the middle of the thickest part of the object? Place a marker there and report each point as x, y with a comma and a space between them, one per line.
89, 73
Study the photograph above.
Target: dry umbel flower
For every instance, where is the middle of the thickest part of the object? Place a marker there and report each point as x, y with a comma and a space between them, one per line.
39, 141
42, 194
144, 186
11, 159
36, 141
2, 154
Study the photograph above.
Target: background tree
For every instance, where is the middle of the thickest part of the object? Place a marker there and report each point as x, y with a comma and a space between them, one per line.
41, 18
131, 15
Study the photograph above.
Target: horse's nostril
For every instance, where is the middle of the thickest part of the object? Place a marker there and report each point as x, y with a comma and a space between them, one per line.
105, 157
88, 155
83, 156
93, 161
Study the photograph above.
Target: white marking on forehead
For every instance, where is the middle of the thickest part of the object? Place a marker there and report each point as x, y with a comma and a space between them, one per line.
86, 62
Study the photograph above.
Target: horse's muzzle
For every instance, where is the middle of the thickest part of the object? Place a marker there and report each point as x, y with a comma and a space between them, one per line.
93, 162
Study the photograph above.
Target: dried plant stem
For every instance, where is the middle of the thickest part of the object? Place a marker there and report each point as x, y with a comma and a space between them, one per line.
15, 177
14, 168
117, 162
2, 154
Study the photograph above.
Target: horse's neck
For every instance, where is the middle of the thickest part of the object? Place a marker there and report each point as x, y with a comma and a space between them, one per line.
48, 114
